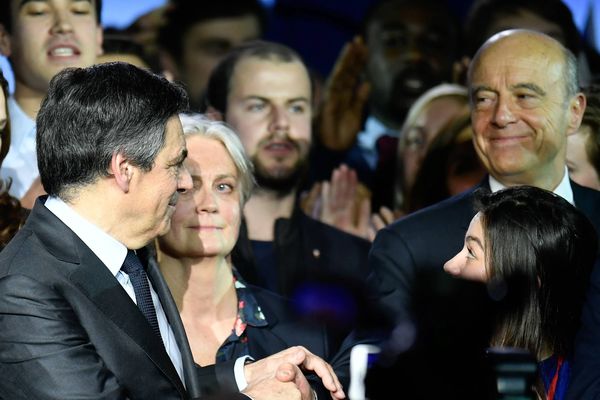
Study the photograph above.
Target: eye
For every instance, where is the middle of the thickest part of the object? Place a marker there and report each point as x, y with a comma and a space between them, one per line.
224, 188
527, 99
82, 8
36, 9
298, 108
256, 107
394, 39
470, 252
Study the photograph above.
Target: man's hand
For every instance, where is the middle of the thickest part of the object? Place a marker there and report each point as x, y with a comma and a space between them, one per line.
340, 117
282, 384
343, 202
298, 356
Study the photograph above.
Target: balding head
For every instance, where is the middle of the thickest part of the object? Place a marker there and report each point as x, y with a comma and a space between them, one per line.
521, 108
531, 45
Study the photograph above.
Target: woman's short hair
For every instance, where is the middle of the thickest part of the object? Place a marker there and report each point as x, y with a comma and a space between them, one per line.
198, 124
540, 249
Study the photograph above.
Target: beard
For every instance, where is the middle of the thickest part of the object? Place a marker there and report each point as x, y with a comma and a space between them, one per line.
281, 180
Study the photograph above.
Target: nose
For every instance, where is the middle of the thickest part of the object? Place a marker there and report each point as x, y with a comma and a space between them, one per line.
62, 22
503, 114
454, 265
206, 201
184, 180
280, 121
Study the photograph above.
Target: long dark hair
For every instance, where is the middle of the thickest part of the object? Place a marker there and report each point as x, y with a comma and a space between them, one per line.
541, 250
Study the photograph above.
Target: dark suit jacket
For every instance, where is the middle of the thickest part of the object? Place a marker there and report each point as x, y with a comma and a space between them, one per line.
306, 250
69, 330
452, 316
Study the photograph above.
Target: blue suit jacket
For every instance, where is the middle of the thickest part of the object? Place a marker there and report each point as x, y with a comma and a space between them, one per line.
452, 316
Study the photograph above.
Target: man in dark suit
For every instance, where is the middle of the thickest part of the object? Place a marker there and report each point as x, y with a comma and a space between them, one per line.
81, 316
525, 101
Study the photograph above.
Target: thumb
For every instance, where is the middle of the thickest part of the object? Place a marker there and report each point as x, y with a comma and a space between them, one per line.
285, 372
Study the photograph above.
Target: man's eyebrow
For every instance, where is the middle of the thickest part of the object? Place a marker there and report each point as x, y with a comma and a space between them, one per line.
23, 2
301, 98
180, 158
530, 86
481, 88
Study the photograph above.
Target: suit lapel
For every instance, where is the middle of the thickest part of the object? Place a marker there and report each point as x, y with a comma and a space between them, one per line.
100, 286
160, 286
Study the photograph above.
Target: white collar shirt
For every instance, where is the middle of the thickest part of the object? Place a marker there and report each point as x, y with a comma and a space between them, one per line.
563, 189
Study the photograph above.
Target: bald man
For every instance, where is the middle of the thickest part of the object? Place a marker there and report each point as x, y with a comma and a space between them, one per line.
525, 101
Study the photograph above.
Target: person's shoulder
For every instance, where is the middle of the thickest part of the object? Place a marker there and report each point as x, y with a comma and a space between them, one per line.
588, 201
446, 213
321, 229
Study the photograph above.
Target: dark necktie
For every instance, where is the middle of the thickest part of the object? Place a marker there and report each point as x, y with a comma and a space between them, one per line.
137, 275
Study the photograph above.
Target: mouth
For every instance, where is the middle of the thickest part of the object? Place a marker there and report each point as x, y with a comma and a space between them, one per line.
206, 228
507, 140
280, 148
62, 52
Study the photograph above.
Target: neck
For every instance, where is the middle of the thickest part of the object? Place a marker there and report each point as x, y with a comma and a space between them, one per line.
28, 98
263, 209
202, 287
548, 179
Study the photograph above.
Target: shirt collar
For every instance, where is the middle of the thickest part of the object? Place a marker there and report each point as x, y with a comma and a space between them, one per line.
563, 189
109, 250
374, 129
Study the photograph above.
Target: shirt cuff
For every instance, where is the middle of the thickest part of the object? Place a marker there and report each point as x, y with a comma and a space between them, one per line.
238, 372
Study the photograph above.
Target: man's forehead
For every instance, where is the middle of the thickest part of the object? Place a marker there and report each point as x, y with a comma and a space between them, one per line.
21, 3
267, 69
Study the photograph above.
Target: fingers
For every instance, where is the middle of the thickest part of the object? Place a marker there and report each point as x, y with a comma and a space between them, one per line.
387, 215
323, 370
363, 222
286, 372
310, 203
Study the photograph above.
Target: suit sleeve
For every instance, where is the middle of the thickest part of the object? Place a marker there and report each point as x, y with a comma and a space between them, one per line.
44, 351
585, 375
392, 274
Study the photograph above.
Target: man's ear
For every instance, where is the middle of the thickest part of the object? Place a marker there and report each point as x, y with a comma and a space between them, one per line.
5, 48
576, 110
168, 65
99, 41
213, 114
122, 171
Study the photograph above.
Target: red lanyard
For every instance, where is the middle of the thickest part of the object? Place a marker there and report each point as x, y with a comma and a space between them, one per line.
552, 388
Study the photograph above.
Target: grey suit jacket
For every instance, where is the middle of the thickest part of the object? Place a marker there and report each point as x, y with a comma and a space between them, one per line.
68, 329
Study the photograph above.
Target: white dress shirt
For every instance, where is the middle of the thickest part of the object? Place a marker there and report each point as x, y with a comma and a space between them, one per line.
112, 254
563, 189
20, 164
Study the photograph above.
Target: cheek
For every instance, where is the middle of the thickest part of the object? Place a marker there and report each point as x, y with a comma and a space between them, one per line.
303, 129
248, 129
